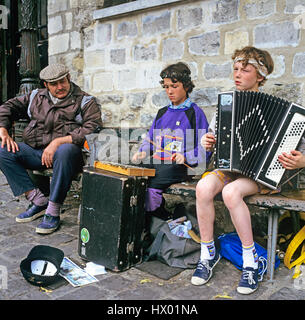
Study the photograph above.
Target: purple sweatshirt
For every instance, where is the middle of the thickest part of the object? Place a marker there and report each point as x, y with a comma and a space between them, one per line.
178, 130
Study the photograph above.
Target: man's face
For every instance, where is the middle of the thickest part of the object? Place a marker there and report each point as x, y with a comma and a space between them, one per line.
60, 88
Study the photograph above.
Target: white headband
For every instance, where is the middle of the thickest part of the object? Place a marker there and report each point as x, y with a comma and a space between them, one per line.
262, 70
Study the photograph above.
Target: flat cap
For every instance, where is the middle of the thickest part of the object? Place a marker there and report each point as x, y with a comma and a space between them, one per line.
53, 72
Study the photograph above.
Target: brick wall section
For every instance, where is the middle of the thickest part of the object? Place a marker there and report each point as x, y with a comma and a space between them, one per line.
119, 59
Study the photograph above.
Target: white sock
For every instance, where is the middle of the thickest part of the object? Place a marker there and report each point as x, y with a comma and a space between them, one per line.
250, 257
207, 250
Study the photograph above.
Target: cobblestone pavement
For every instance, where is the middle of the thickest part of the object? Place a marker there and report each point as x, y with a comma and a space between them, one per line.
16, 240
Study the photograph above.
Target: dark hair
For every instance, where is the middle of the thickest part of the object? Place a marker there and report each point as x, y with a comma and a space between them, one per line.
178, 72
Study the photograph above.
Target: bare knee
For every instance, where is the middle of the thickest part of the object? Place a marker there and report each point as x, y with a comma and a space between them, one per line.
231, 196
205, 191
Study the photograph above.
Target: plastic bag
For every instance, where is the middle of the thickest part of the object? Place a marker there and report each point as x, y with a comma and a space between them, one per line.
231, 249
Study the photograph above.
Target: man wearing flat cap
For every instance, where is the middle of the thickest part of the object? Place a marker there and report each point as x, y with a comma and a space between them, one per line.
60, 116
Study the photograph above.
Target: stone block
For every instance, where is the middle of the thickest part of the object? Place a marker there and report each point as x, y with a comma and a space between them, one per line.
172, 49
236, 39
275, 35
94, 59
291, 92
118, 56
103, 81
127, 29
55, 6
69, 20
58, 44
213, 71
226, 11
153, 24
127, 79
194, 69
256, 9
205, 96
279, 67
136, 100
145, 53
207, 44
73, 60
76, 42
88, 38
189, 18
127, 116
298, 69
103, 34
111, 99
107, 117
146, 119
74, 4
160, 99
294, 6
55, 25
149, 77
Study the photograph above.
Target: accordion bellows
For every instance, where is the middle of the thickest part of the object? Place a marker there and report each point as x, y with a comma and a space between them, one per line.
252, 130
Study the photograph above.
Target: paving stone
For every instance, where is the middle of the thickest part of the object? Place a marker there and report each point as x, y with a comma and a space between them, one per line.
116, 282
288, 294
89, 292
141, 293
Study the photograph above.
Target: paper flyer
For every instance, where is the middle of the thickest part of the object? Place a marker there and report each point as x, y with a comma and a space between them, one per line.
74, 274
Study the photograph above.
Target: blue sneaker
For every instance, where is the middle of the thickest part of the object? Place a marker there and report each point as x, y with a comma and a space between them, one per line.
249, 281
48, 225
203, 272
33, 212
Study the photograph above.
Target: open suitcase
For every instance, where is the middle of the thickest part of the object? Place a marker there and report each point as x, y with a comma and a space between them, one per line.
112, 218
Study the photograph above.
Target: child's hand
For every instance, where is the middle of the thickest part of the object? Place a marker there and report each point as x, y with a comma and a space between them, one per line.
208, 141
291, 161
138, 156
178, 157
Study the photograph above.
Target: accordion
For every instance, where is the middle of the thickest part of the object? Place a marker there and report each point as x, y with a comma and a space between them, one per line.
252, 129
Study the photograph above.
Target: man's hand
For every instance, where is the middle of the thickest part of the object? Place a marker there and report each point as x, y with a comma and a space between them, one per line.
291, 161
11, 145
48, 154
208, 141
49, 151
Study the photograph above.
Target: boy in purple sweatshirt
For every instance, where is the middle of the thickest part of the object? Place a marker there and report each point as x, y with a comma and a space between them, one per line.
173, 140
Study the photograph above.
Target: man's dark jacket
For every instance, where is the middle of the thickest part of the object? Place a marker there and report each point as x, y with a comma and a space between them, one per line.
77, 115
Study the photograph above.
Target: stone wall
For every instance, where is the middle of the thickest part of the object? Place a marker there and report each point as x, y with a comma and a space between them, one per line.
117, 54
